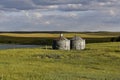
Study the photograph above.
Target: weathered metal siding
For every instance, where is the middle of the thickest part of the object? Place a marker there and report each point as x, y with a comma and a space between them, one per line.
77, 44
61, 44
83, 44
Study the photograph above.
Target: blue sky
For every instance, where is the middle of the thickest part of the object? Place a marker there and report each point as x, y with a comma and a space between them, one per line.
59, 15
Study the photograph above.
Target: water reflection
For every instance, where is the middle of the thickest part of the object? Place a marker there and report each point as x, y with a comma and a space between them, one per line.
12, 46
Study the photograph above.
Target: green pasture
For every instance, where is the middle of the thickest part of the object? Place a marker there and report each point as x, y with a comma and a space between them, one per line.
99, 61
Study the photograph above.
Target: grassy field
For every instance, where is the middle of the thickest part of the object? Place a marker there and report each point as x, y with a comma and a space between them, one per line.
47, 38
99, 61
69, 34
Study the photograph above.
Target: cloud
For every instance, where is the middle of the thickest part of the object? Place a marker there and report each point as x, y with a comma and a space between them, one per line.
55, 4
17, 4
72, 15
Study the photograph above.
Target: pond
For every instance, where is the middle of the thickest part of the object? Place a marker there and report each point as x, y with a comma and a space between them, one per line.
12, 46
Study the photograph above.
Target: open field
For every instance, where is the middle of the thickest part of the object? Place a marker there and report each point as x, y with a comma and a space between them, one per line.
99, 61
46, 38
67, 34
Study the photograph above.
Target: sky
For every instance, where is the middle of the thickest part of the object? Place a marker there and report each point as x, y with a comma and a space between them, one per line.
59, 15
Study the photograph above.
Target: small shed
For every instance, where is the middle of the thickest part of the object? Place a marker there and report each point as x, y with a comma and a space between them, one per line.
61, 43
77, 43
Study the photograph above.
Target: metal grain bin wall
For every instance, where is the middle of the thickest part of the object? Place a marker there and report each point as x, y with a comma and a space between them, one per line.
61, 43
77, 43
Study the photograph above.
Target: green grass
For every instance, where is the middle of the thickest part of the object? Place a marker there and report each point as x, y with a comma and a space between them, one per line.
99, 61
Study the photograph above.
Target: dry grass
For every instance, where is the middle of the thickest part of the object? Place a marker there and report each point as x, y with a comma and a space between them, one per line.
49, 35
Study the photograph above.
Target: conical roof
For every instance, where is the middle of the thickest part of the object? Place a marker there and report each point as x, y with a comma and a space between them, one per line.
77, 38
62, 37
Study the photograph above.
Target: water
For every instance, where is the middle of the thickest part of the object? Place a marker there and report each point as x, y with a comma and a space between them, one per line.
12, 46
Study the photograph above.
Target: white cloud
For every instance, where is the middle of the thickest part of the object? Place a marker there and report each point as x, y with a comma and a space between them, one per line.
112, 12
47, 22
53, 6
79, 15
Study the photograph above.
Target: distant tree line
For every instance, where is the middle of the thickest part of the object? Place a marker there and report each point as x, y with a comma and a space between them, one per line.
114, 39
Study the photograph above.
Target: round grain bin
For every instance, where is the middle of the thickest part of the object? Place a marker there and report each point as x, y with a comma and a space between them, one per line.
77, 43
61, 43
